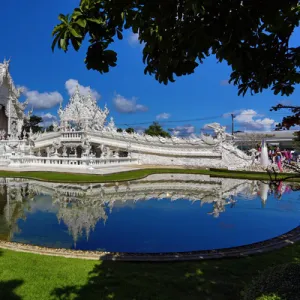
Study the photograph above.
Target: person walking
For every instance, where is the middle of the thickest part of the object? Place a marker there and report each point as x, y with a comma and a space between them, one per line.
278, 158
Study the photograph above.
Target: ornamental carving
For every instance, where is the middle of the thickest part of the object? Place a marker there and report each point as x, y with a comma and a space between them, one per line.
82, 113
9, 96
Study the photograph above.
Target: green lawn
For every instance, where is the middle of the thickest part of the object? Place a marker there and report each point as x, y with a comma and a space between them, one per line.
30, 276
141, 173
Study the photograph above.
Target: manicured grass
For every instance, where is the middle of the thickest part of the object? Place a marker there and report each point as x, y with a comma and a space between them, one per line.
30, 276
141, 173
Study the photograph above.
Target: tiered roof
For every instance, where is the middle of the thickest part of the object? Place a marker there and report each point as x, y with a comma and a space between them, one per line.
83, 109
17, 109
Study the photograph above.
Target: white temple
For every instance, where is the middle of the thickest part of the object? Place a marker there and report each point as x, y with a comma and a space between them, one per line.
84, 139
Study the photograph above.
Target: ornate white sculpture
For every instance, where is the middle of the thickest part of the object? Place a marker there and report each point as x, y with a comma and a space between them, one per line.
2, 134
220, 132
83, 112
9, 95
55, 126
111, 125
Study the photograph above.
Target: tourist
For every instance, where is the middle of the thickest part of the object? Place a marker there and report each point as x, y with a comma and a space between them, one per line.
278, 159
278, 192
258, 147
285, 154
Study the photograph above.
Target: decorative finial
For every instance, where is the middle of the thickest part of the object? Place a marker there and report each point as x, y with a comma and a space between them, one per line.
89, 95
6, 62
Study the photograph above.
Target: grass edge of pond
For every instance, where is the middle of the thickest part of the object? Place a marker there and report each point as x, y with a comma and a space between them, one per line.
142, 173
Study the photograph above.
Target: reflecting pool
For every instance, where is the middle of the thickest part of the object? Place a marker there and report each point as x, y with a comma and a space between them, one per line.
161, 213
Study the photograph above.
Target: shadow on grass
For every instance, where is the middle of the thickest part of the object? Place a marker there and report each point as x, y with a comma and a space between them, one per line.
205, 280
7, 289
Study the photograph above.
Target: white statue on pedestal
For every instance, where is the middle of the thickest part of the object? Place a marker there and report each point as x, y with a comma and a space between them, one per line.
55, 126
264, 157
64, 151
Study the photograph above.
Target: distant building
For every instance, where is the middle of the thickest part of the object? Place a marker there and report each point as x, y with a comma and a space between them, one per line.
248, 140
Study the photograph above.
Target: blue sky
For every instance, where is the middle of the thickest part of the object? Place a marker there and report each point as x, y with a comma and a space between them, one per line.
131, 96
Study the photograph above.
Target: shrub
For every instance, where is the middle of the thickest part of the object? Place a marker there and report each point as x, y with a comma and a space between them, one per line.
278, 283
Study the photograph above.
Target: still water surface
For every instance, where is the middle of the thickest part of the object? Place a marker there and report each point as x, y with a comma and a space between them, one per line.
161, 213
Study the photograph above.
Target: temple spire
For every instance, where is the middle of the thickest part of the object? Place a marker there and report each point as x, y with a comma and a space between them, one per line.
77, 91
89, 95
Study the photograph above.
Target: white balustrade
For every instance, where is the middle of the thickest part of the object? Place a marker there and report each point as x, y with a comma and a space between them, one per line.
70, 162
71, 135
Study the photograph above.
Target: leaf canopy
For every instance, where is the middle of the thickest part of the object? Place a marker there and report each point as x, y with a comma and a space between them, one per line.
253, 37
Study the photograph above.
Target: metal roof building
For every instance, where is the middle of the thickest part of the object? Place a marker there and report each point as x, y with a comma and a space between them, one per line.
283, 139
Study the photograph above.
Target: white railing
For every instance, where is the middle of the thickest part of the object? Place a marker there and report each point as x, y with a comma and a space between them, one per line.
71, 135
70, 162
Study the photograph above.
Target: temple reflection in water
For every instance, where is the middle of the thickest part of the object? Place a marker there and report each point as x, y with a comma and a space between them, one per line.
81, 207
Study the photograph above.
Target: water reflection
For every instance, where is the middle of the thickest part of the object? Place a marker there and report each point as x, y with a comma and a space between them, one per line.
79, 208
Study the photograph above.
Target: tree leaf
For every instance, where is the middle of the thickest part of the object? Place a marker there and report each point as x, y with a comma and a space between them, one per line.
120, 35
76, 44
77, 13
110, 53
96, 20
55, 42
81, 22
74, 32
63, 44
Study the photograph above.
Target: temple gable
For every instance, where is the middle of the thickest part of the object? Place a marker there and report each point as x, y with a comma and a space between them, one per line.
11, 110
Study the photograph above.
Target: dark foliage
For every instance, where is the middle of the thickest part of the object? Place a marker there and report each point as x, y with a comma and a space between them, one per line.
253, 37
156, 130
280, 282
33, 123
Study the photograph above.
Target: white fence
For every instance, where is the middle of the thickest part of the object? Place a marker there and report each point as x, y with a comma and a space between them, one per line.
71, 135
70, 162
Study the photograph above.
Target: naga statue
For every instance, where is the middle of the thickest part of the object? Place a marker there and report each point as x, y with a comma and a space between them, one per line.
220, 132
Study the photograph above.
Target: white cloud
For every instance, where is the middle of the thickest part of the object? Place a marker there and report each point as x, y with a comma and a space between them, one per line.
183, 131
235, 112
124, 105
249, 120
48, 118
71, 85
163, 116
133, 39
39, 100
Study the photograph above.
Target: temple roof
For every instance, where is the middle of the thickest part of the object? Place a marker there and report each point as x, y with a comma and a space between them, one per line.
83, 109
5, 78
